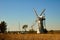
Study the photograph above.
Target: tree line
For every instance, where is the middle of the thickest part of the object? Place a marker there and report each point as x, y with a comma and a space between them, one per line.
3, 27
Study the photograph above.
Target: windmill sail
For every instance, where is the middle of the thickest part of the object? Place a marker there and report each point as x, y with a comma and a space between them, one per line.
35, 12
42, 12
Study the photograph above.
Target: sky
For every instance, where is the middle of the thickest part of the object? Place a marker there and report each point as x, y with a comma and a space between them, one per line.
16, 13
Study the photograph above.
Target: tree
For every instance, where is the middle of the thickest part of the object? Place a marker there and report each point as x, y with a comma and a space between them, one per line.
51, 31
24, 27
3, 27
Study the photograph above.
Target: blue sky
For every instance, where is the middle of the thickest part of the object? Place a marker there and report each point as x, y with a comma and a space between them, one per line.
16, 12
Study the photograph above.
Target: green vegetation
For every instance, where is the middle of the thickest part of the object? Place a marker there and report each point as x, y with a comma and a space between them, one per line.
3, 27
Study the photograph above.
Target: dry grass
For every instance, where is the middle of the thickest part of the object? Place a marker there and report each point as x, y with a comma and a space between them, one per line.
29, 36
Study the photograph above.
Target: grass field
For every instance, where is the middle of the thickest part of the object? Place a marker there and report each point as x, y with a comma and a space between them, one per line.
29, 36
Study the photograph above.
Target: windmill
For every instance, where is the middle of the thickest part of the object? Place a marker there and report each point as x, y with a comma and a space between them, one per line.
40, 19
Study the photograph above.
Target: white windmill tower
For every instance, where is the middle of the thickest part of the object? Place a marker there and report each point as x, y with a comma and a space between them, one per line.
40, 20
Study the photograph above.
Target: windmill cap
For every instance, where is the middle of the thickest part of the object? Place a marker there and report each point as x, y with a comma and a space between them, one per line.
42, 17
